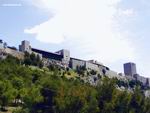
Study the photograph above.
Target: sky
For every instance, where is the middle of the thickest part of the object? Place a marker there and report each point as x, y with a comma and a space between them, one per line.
110, 31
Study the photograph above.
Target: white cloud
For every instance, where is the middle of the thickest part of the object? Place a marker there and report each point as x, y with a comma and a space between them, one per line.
87, 26
126, 12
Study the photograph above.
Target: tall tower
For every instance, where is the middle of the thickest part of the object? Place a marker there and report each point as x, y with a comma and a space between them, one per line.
25, 46
130, 69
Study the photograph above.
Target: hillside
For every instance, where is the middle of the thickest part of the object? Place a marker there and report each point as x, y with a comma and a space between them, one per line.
30, 89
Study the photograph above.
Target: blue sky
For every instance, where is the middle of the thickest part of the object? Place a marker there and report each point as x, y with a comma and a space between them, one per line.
110, 31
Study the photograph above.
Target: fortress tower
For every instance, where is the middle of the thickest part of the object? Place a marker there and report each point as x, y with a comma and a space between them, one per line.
130, 69
25, 46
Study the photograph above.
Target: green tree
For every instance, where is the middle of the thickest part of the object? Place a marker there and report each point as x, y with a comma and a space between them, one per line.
105, 94
6, 94
137, 101
32, 96
18, 84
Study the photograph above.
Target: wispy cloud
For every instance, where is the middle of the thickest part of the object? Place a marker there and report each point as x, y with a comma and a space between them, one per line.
10, 3
87, 26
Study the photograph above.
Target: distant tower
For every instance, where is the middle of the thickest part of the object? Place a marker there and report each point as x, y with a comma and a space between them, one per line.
25, 46
130, 69
66, 55
1, 44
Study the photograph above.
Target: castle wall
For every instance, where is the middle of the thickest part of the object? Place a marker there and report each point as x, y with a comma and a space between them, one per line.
112, 74
76, 62
142, 79
91, 66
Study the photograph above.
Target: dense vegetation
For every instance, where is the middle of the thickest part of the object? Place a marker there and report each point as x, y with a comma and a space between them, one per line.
34, 90
32, 59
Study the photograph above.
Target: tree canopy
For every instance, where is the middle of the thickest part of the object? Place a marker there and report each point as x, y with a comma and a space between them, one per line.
44, 91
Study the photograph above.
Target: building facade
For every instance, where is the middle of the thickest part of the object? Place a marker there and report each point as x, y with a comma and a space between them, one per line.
130, 69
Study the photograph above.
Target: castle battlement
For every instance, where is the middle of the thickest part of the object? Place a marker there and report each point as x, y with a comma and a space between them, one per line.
64, 59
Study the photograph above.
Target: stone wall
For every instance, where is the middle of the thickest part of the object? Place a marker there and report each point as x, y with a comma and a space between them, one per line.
91, 66
113, 74
76, 62
142, 79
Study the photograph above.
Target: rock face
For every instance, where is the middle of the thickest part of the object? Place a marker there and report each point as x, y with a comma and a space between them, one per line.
4, 52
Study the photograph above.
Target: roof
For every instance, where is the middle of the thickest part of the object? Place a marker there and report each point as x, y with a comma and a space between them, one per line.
77, 59
47, 54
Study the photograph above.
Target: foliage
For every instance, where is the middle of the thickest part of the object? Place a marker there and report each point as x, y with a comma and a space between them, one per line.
80, 70
44, 91
32, 59
93, 72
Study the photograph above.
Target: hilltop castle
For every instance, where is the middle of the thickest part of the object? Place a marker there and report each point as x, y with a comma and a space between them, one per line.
63, 59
